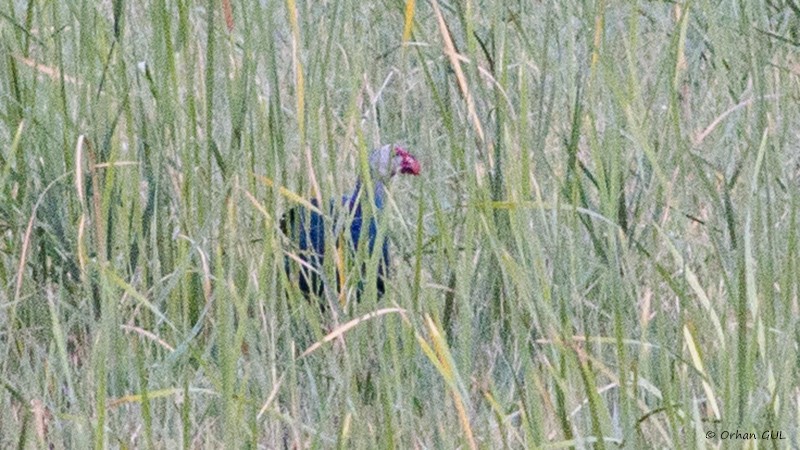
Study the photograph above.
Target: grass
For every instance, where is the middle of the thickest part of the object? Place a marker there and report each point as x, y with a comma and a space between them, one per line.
602, 249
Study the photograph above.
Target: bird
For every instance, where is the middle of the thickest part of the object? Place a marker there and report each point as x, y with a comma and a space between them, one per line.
306, 227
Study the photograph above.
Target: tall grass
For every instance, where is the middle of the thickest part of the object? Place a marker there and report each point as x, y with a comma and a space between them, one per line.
602, 249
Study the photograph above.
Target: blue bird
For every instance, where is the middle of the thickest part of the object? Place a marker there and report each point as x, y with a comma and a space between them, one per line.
305, 227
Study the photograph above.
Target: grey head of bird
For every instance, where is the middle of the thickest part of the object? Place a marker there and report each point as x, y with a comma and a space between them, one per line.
389, 160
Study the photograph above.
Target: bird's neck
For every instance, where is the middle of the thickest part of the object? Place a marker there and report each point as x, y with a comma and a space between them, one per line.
378, 193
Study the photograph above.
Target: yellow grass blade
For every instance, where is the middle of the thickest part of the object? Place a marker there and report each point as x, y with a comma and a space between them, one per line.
341, 330
290, 195
408, 21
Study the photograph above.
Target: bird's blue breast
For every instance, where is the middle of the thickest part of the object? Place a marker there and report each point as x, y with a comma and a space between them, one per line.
372, 232
307, 228
312, 237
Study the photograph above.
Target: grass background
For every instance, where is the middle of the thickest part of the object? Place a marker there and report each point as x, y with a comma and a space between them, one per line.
601, 251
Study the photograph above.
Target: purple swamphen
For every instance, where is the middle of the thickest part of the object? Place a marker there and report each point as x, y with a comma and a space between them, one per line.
305, 228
